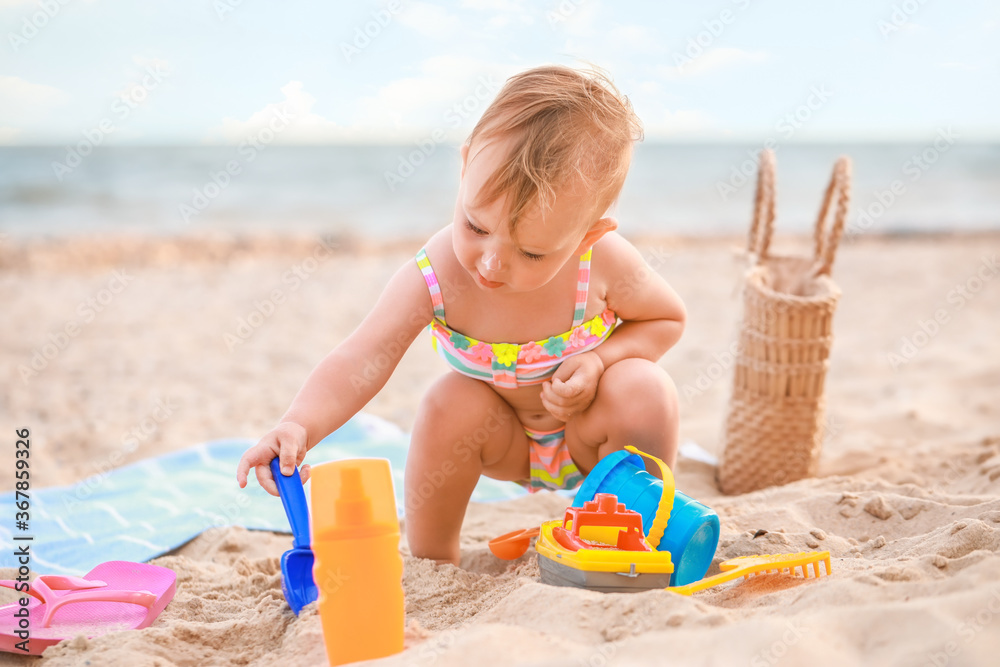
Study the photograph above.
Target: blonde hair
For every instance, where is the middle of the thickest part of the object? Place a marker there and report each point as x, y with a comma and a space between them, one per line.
562, 123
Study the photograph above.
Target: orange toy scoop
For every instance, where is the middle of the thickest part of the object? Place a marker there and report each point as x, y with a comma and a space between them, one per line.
513, 545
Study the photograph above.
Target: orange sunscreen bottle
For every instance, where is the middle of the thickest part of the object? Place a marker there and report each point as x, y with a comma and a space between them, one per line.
359, 571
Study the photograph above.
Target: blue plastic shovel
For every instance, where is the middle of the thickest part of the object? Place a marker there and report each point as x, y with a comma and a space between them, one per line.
297, 563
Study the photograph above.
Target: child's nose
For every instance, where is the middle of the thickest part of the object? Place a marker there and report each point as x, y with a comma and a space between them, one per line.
491, 260
495, 256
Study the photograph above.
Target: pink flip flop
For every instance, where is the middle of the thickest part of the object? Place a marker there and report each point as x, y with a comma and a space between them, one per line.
117, 595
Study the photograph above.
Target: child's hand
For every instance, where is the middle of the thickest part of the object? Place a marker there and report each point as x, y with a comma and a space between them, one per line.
573, 387
286, 441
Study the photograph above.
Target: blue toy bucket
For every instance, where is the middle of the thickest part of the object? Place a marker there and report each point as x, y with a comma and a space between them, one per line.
692, 533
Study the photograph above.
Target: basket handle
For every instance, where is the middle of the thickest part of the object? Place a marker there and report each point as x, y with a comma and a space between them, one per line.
762, 228
826, 244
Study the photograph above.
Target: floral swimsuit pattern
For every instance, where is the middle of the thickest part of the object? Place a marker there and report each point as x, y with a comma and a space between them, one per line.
512, 365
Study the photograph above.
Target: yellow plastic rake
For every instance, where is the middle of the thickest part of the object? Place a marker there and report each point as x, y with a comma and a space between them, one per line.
745, 566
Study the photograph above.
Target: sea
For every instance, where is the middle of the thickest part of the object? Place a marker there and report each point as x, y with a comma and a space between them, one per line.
408, 191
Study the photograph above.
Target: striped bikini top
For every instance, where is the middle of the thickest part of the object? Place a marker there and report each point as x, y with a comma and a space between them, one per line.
512, 365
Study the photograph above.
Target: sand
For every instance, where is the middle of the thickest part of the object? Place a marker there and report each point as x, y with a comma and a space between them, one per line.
907, 498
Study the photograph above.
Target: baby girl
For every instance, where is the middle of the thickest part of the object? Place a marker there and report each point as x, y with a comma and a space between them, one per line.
552, 321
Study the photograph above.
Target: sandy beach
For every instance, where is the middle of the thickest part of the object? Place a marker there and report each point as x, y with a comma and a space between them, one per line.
207, 337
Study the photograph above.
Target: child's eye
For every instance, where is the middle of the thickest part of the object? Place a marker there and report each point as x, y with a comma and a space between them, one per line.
531, 256
475, 230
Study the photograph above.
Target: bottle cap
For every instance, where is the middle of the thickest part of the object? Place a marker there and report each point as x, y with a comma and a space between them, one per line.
353, 498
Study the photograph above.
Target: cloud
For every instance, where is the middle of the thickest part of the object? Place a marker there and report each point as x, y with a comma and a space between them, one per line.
712, 60
8, 135
650, 87
505, 12
24, 103
15, 92
504, 20
430, 20
147, 74
495, 5
680, 122
400, 101
574, 17
304, 126
634, 39
449, 93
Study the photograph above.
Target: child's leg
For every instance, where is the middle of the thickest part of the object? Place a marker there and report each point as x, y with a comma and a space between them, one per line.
636, 404
463, 430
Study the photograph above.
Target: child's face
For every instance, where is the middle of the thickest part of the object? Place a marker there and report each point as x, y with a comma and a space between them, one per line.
481, 234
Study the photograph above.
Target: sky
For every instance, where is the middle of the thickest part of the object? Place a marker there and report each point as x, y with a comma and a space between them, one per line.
165, 72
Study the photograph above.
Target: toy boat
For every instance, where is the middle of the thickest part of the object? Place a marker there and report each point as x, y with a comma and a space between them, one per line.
601, 547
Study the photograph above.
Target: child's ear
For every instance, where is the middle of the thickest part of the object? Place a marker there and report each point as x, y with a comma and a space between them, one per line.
594, 234
465, 159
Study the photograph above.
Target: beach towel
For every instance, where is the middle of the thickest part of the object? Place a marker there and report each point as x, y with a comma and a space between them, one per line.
146, 509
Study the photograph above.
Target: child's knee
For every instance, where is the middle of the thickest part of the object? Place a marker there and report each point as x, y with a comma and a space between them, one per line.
453, 402
460, 418
641, 389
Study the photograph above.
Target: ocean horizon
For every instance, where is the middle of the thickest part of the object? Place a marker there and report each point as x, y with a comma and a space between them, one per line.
382, 191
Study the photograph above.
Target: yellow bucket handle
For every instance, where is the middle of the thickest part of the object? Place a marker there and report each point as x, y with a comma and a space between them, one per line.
666, 500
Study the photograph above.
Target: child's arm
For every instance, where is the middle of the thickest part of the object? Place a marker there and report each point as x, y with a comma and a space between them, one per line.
346, 379
652, 317
652, 314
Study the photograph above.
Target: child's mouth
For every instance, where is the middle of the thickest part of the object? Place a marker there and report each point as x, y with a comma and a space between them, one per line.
486, 283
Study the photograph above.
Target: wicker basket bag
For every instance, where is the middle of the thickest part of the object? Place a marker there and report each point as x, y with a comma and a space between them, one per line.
775, 425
